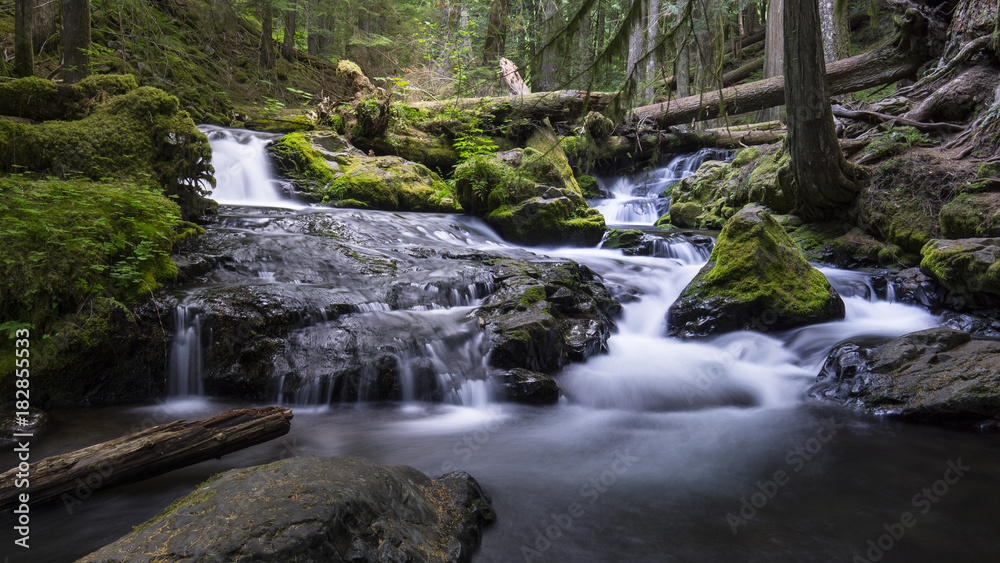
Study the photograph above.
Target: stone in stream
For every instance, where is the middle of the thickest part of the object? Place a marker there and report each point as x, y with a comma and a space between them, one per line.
529, 387
315, 509
546, 314
756, 278
938, 375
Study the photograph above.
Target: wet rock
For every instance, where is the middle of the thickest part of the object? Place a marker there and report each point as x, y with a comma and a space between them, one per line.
528, 387
939, 375
315, 509
914, 286
34, 423
543, 315
755, 279
981, 326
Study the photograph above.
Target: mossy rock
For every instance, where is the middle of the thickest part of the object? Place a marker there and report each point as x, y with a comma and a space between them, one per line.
551, 222
550, 165
770, 182
138, 135
755, 279
619, 238
42, 100
326, 168
685, 214
590, 188
969, 265
970, 216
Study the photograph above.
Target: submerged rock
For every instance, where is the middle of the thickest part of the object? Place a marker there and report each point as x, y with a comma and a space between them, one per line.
315, 509
938, 375
755, 279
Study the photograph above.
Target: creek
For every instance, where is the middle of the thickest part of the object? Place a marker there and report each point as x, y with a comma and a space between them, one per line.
659, 450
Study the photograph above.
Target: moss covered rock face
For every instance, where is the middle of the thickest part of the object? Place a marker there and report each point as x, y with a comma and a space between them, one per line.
971, 215
966, 265
755, 279
325, 168
315, 509
535, 202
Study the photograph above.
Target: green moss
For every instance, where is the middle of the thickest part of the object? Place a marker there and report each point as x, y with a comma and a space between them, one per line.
589, 186
532, 294
685, 215
477, 178
364, 187
964, 266
296, 158
618, 238
971, 215
199, 495
550, 165
755, 261
988, 170
138, 135
745, 156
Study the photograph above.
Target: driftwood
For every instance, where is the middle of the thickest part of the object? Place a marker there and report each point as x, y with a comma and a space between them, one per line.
559, 105
880, 66
512, 79
144, 454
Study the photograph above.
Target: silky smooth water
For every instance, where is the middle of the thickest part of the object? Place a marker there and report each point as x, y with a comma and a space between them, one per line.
659, 450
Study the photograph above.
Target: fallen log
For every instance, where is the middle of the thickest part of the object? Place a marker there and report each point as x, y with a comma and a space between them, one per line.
876, 117
885, 64
651, 144
881, 66
558, 105
144, 454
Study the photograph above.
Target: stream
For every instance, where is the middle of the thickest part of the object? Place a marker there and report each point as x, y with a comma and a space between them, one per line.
659, 450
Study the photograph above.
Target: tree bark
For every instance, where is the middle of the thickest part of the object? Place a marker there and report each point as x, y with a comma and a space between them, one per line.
43, 24
822, 180
773, 51
646, 146
288, 42
75, 39
549, 60
145, 454
24, 53
836, 31
496, 32
880, 66
266, 35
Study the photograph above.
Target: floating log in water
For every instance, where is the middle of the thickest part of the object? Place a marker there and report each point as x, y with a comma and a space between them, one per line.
144, 454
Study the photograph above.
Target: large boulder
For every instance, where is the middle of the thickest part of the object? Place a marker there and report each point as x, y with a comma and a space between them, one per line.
326, 168
544, 315
756, 278
315, 509
529, 196
966, 265
937, 375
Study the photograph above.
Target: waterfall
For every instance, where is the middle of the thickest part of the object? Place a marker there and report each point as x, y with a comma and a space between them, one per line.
184, 377
242, 173
640, 200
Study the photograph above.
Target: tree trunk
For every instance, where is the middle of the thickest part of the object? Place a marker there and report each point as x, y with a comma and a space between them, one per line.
836, 31
496, 32
288, 43
773, 51
822, 180
266, 35
512, 79
145, 454
44, 24
652, 36
24, 53
75, 39
637, 44
547, 79
646, 146
881, 66
683, 68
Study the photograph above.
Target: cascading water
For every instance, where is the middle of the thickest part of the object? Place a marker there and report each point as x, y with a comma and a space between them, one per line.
242, 173
184, 377
640, 200
652, 449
